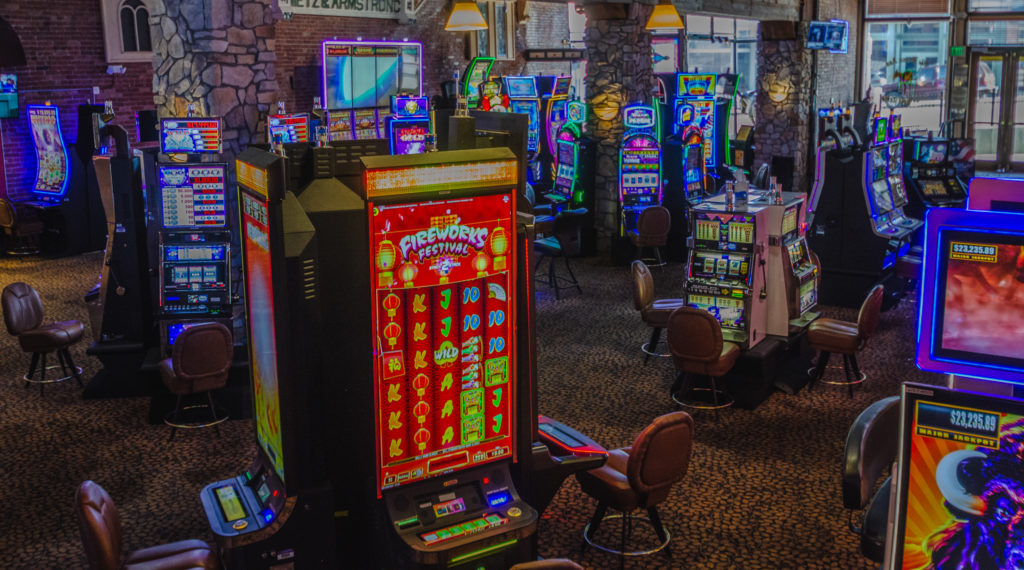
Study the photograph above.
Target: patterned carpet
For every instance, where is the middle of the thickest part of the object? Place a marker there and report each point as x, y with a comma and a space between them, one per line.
762, 490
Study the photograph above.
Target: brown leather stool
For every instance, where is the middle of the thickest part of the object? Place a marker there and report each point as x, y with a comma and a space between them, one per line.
695, 339
99, 523
22, 227
651, 231
908, 268
23, 316
843, 337
654, 312
640, 477
199, 363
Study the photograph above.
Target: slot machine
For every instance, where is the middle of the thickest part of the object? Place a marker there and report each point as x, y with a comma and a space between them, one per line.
895, 168
288, 128
567, 189
685, 176
884, 194
339, 125
278, 512
697, 91
478, 71
409, 125
792, 277
725, 273
639, 165
555, 113
524, 98
365, 123
930, 175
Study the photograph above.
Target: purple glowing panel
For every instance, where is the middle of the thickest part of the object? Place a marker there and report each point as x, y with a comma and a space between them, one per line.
359, 75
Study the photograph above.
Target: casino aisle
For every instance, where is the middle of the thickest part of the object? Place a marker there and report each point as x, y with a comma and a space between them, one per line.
762, 490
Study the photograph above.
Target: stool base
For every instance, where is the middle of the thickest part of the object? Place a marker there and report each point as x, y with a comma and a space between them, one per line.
629, 518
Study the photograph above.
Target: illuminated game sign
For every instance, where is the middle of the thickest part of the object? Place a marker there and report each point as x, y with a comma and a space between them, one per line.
191, 135
192, 195
881, 130
288, 128
401, 180
638, 117
475, 76
697, 85
52, 171
263, 345
444, 362
360, 75
576, 112
960, 486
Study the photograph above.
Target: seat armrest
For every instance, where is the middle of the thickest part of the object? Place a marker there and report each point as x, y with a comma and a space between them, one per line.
870, 449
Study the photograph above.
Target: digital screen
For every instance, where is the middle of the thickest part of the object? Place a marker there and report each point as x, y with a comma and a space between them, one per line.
192, 135
174, 330
566, 153
409, 137
980, 318
259, 300
192, 195
443, 294
895, 127
708, 230
808, 294
881, 129
51, 155
696, 84
827, 35
339, 125
789, 220
741, 232
288, 128
562, 85
932, 153
729, 312
521, 87
933, 188
230, 504
364, 123
554, 121
960, 483
476, 75
704, 117
532, 110
363, 75
722, 266
882, 197
798, 254
410, 107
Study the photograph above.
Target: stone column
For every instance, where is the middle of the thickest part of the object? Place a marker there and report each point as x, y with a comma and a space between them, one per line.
619, 72
783, 103
220, 56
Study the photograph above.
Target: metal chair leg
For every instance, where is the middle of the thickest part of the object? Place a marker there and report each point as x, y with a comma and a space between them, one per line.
848, 373
657, 254
595, 522
819, 368
74, 369
652, 345
659, 529
571, 274
177, 410
42, 379
32, 366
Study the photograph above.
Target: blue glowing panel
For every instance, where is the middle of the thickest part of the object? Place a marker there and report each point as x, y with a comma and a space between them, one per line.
52, 170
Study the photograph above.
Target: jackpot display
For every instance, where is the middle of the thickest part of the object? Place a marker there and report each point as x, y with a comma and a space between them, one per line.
359, 75
960, 481
288, 128
445, 372
190, 135
52, 162
192, 196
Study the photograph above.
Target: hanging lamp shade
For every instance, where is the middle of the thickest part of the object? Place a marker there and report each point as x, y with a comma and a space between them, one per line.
664, 17
465, 17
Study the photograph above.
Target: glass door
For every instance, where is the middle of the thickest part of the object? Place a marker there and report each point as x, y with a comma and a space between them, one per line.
997, 121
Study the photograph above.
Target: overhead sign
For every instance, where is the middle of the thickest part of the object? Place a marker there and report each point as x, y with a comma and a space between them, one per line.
388, 9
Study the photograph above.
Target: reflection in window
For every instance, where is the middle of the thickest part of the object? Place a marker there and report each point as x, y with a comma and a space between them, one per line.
500, 25
730, 49
134, 26
995, 32
665, 51
905, 68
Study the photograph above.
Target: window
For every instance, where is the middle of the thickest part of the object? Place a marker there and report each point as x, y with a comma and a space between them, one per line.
995, 5
665, 51
906, 69
126, 33
726, 45
499, 40
995, 32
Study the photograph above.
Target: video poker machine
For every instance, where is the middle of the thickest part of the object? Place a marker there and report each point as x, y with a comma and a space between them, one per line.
408, 125
792, 277
639, 165
278, 512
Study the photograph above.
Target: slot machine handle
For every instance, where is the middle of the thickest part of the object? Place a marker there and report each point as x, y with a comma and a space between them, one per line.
764, 280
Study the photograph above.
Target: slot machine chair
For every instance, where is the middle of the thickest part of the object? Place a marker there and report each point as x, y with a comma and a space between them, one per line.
564, 241
99, 524
21, 227
908, 267
651, 231
23, 316
829, 336
199, 364
695, 340
870, 448
654, 312
640, 477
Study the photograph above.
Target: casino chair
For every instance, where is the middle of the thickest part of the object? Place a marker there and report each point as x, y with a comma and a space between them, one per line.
199, 364
871, 447
639, 477
99, 524
652, 226
23, 316
654, 312
697, 347
908, 268
564, 241
829, 336
20, 226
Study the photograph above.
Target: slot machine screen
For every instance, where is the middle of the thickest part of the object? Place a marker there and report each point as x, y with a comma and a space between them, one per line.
366, 74
521, 86
409, 137
881, 130
364, 122
932, 153
566, 153
262, 338
289, 128
190, 135
52, 171
477, 75
443, 288
174, 330
882, 197
720, 266
708, 230
789, 220
729, 312
798, 255
741, 232
933, 188
808, 294
192, 195
960, 483
530, 108
339, 125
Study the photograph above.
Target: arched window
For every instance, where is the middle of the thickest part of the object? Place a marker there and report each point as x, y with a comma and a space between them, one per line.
134, 26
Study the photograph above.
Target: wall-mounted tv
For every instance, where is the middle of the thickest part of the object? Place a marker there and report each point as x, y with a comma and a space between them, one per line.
360, 75
832, 36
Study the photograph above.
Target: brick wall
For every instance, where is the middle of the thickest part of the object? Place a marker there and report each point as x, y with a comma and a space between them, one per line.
298, 46
65, 60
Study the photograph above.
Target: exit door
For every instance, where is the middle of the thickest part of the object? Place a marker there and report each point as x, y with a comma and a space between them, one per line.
997, 109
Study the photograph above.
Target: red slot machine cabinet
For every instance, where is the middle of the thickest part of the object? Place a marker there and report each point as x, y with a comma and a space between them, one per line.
420, 276
277, 513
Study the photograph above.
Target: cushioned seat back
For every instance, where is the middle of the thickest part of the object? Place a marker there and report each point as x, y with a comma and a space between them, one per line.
653, 224
870, 448
202, 357
661, 454
643, 286
694, 335
8, 217
99, 523
870, 309
567, 230
23, 310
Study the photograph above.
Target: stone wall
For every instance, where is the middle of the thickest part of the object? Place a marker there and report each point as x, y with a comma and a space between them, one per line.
219, 56
619, 72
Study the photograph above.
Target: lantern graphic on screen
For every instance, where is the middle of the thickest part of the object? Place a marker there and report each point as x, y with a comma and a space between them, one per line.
421, 437
386, 256
420, 410
391, 332
407, 273
391, 304
420, 383
498, 244
480, 264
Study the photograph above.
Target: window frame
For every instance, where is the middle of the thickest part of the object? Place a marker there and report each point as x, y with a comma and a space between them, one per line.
734, 118
492, 38
113, 44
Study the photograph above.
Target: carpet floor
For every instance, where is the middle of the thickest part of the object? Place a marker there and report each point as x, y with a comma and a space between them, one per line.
762, 489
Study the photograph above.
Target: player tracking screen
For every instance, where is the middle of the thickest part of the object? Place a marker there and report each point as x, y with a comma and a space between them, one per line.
193, 196
443, 315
